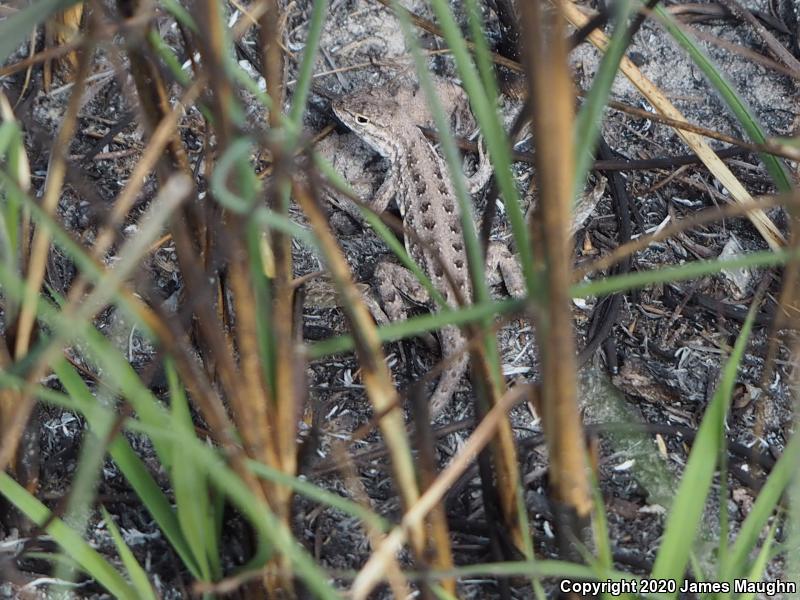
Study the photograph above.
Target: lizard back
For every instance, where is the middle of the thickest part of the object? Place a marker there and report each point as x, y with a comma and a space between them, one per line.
423, 190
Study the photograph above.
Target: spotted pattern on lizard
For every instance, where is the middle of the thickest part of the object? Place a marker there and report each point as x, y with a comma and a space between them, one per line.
418, 181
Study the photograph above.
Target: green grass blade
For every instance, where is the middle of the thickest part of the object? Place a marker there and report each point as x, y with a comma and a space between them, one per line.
121, 377
321, 495
169, 57
602, 539
189, 483
10, 215
382, 231
555, 569
131, 466
304, 76
442, 594
84, 484
409, 263
214, 537
761, 562
416, 325
162, 431
759, 568
136, 573
262, 292
497, 142
8, 131
81, 552
60, 237
768, 498
475, 258
687, 509
242, 200
108, 282
267, 219
452, 158
299, 485
589, 117
698, 572
483, 54
744, 115
601, 287
690, 270
180, 14
792, 530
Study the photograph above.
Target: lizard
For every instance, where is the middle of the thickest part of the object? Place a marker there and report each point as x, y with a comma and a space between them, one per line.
419, 182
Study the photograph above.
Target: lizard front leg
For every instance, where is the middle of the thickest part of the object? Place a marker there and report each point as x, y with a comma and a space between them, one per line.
396, 287
483, 173
377, 203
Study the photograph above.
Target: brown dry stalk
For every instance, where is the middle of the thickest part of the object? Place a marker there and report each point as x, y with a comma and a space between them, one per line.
16, 408
424, 444
374, 372
709, 215
770, 147
212, 45
740, 50
680, 124
288, 404
201, 392
44, 55
253, 400
503, 447
394, 572
265, 437
272, 60
288, 363
397, 580
191, 242
14, 422
433, 29
658, 99
61, 30
786, 313
373, 572
101, 31
503, 450
163, 135
152, 90
551, 93
772, 43
54, 181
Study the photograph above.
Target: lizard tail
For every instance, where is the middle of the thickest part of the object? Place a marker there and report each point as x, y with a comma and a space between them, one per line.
452, 341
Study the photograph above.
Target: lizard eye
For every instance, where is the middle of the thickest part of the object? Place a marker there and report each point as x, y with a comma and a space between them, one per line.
362, 119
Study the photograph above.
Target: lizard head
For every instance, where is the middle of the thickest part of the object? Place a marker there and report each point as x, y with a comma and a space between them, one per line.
373, 116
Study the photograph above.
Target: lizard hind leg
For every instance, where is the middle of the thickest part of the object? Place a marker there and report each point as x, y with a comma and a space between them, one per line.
502, 265
397, 286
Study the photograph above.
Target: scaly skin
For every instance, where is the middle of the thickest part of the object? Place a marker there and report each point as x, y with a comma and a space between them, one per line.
424, 194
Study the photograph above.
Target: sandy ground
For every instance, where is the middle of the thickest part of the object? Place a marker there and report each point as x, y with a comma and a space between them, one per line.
668, 352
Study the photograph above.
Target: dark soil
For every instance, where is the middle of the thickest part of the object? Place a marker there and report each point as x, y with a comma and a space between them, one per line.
659, 366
